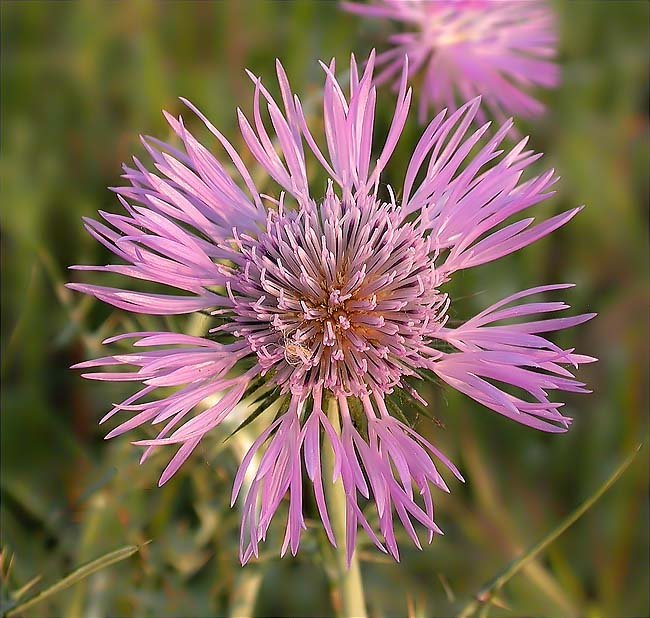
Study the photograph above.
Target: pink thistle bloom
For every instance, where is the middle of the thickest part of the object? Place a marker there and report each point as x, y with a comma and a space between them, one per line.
463, 48
337, 296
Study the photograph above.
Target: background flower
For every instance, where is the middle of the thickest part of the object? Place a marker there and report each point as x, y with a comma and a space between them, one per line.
499, 49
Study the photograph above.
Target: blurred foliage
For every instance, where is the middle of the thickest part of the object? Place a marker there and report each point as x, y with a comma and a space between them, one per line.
80, 81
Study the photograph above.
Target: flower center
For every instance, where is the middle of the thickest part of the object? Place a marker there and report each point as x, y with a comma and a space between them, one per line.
341, 296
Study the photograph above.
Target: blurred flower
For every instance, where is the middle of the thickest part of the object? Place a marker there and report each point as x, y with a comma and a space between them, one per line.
338, 296
494, 48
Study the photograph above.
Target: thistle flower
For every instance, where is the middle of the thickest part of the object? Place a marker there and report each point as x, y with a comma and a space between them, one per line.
463, 48
336, 298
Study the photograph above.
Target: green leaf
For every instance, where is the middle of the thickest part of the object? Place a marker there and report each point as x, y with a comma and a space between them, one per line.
78, 575
263, 407
405, 402
259, 391
394, 409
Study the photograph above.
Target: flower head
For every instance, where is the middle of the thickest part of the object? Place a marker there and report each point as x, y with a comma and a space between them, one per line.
334, 295
463, 48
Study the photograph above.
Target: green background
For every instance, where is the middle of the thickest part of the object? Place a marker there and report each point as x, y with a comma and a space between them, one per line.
80, 81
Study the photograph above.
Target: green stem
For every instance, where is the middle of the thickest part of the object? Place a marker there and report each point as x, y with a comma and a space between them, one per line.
488, 593
348, 586
246, 592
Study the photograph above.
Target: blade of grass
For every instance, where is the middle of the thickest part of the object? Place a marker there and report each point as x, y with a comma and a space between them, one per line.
76, 576
23, 590
490, 590
14, 335
504, 530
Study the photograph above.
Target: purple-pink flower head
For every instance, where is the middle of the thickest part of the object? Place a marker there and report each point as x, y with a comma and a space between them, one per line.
498, 49
332, 295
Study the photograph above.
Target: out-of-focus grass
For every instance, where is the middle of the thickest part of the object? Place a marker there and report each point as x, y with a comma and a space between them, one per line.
79, 82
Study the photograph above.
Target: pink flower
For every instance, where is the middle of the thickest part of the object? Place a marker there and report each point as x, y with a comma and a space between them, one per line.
494, 48
340, 296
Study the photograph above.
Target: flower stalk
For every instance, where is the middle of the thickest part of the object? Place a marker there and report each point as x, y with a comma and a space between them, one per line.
348, 593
